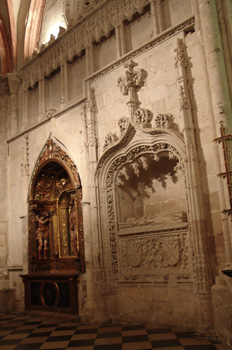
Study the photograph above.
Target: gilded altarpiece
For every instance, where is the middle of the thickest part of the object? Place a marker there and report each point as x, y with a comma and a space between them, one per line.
56, 241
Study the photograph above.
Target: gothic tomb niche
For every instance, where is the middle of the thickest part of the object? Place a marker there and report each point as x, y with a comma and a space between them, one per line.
151, 194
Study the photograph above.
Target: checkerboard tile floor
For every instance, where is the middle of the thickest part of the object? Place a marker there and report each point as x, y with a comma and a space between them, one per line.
22, 332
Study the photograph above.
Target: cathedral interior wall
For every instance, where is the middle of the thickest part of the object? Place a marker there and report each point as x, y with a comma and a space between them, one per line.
153, 231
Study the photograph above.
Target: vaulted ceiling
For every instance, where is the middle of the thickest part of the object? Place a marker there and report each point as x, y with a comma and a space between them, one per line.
26, 24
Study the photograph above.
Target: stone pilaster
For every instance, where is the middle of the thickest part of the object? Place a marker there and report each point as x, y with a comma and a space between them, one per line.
4, 90
203, 279
14, 85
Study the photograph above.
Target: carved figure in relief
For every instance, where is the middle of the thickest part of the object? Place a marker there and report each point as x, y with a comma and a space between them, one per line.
42, 233
73, 228
179, 216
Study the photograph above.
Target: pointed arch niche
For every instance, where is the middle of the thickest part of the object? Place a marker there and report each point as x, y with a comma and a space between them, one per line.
142, 180
56, 242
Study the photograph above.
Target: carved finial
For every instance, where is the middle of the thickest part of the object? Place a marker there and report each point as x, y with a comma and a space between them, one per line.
130, 65
130, 84
182, 58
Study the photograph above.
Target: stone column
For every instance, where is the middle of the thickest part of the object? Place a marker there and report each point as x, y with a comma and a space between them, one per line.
207, 23
4, 92
89, 59
118, 41
14, 85
90, 206
122, 38
203, 277
160, 16
155, 24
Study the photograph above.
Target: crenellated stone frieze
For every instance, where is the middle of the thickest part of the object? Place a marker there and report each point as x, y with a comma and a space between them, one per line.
94, 25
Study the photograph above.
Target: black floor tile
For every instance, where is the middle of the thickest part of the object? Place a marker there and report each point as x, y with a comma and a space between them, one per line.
10, 341
105, 325
7, 328
85, 342
135, 338
186, 334
200, 347
86, 331
108, 347
39, 334
165, 343
21, 331
132, 328
158, 330
47, 325
109, 335
29, 346
59, 338
67, 328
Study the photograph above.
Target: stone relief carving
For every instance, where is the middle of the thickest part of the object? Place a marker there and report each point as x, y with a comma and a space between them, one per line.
144, 256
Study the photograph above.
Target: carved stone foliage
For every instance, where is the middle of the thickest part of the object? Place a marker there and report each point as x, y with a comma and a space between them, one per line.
142, 118
153, 256
184, 80
164, 121
111, 139
123, 125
